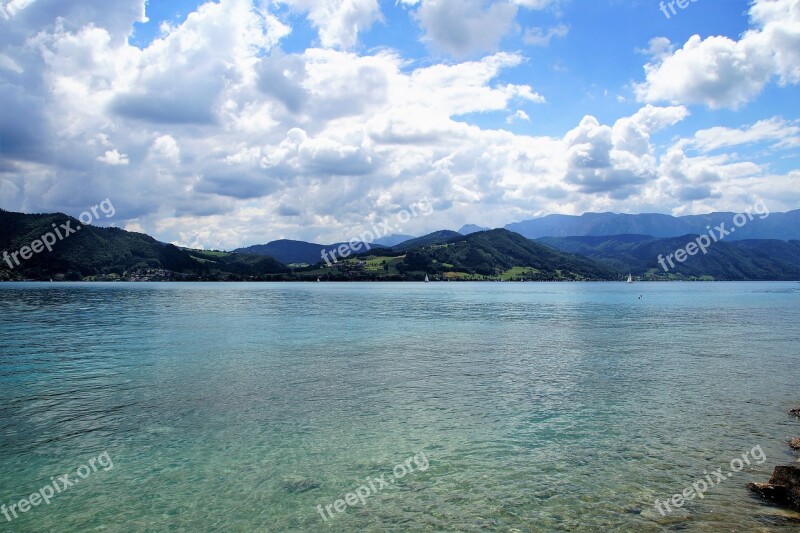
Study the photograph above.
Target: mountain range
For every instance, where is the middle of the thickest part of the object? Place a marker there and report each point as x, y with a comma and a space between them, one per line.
291, 252
783, 226
111, 253
755, 259
468, 229
502, 253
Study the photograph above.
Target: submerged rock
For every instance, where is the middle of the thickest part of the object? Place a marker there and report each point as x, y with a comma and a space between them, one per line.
768, 491
795, 412
783, 487
297, 486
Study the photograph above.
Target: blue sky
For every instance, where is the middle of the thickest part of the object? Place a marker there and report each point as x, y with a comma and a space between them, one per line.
599, 55
234, 122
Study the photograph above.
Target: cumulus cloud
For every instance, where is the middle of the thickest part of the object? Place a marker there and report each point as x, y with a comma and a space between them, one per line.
212, 135
339, 21
113, 157
212, 119
614, 160
178, 78
698, 179
463, 28
722, 72
166, 148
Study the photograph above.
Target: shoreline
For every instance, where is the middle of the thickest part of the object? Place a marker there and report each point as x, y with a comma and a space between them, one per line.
408, 281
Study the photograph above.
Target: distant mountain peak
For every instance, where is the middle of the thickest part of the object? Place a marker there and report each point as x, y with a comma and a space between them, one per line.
468, 229
782, 226
437, 237
392, 240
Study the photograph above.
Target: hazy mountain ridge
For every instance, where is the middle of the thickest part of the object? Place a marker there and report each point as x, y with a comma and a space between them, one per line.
468, 229
291, 252
783, 226
762, 259
392, 240
106, 253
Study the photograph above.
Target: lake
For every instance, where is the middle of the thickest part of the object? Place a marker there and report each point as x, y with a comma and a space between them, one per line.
505, 406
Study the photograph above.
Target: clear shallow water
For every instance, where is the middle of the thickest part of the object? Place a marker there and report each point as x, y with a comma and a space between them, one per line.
540, 407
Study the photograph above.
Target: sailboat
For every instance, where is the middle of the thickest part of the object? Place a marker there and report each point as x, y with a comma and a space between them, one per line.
426, 279
319, 280
630, 278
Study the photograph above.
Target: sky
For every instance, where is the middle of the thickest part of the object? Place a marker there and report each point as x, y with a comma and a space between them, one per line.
236, 122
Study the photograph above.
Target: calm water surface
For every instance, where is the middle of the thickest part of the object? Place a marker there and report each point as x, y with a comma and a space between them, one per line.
540, 407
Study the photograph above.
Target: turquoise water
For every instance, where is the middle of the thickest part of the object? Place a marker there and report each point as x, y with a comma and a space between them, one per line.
539, 407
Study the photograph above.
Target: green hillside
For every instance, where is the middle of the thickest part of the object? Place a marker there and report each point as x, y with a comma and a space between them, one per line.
110, 253
497, 252
756, 259
437, 237
93, 253
489, 255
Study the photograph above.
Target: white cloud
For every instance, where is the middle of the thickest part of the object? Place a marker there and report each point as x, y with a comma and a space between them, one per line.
616, 160
212, 136
166, 147
776, 131
700, 179
518, 115
536, 4
113, 157
463, 28
632, 133
659, 48
542, 37
722, 72
339, 21
178, 79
